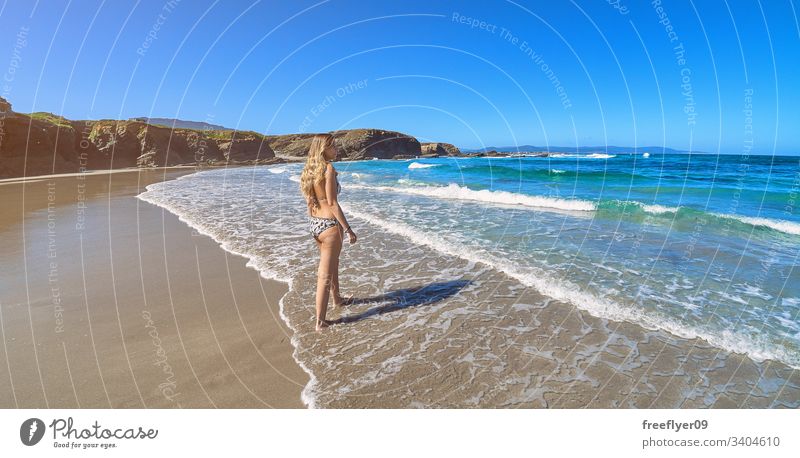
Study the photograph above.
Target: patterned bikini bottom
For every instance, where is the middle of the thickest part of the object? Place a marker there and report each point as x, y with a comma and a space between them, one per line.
319, 225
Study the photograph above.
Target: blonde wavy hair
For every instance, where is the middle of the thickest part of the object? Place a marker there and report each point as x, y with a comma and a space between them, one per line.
314, 170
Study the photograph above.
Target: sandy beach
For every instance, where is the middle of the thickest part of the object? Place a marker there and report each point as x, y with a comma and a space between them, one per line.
109, 301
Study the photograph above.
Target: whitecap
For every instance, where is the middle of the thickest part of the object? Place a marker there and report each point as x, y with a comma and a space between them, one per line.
656, 209
776, 224
409, 182
419, 165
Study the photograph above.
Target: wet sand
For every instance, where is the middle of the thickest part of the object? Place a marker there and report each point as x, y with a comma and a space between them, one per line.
109, 301
533, 352
448, 333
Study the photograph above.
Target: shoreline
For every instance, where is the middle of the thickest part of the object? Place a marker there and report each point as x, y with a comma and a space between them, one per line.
132, 308
193, 168
304, 397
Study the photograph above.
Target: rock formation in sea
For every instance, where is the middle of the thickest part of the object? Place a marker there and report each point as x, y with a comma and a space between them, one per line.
490, 153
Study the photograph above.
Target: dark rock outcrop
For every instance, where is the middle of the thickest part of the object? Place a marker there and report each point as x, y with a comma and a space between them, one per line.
23, 139
353, 144
490, 153
368, 143
5, 106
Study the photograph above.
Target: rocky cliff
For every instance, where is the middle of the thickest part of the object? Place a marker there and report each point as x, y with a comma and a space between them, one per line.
353, 144
43, 143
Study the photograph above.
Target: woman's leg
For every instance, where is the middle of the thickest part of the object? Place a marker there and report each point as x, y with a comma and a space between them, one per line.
337, 298
329, 244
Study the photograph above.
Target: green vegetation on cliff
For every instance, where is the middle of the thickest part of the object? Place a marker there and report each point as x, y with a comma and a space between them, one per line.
58, 121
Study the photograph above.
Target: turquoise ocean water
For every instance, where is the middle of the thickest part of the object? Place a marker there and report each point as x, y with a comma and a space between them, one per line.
699, 245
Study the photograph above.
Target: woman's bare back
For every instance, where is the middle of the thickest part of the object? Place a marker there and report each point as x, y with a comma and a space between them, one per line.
319, 190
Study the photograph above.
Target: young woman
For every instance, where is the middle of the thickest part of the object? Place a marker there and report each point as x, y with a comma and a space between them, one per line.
328, 225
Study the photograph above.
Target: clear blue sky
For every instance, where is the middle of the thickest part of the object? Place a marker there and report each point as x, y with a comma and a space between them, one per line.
557, 73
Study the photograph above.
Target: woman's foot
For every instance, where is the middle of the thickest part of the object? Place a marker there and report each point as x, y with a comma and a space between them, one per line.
322, 324
341, 301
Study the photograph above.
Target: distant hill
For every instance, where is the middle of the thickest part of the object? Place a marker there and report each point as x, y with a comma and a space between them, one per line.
180, 124
580, 149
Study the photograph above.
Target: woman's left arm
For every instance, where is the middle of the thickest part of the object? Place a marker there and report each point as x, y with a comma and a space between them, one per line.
333, 198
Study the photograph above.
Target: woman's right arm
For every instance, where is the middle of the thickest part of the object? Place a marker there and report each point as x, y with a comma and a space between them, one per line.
333, 198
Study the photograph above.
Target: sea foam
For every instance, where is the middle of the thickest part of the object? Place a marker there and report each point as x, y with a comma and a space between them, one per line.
420, 165
787, 227
455, 191
563, 290
583, 156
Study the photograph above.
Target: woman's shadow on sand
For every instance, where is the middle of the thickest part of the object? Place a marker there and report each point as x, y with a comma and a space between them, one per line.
403, 299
